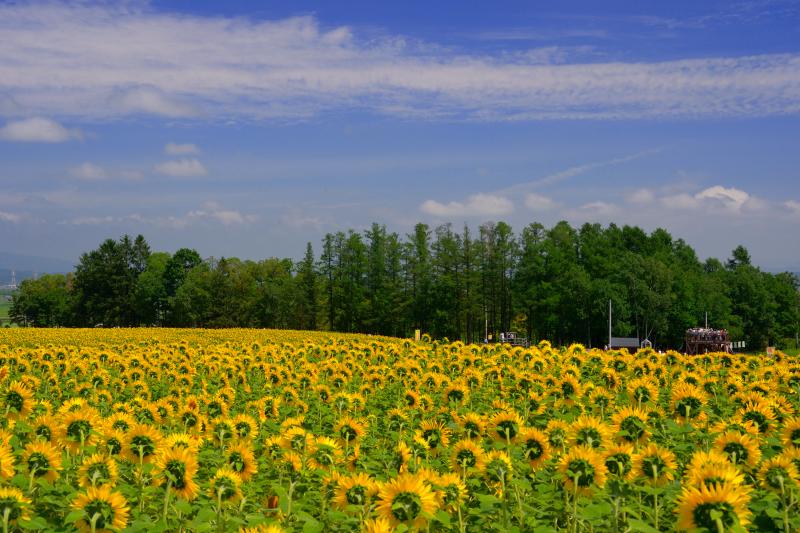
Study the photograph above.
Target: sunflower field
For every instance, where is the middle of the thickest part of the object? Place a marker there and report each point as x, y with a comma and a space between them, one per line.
256, 430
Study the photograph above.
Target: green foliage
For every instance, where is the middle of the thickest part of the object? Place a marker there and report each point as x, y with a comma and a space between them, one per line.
552, 283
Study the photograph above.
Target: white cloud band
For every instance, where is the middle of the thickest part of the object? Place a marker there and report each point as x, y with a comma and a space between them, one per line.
101, 61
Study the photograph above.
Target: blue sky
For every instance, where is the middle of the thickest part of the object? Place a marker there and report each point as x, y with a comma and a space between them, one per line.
248, 128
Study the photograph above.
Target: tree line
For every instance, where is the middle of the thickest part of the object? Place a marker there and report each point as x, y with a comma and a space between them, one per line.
546, 283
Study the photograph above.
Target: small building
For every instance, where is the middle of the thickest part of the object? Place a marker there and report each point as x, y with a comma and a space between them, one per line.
630, 343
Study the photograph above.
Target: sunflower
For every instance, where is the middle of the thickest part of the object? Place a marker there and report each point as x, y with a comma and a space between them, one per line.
535, 446
740, 449
42, 459
324, 453
569, 389
630, 424
176, 441
687, 402
466, 455
240, 459
245, 426
142, 443
178, 467
376, 525
451, 491
777, 473
411, 398
225, 485
78, 429
790, 434
43, 427
14, 504
263, 528
113, 441
401, 457
294, 461
759, 413
406, 500
717, 507
589, 431
618, 459
434, 434
456, 393
497, 470
643, 390
221, 430
581, 468
557, 431
107, 510
120, 421
472, 425
97, 470
349, 430
18, 400
655, 465
357, 490
6, 461
505, 426
714, 474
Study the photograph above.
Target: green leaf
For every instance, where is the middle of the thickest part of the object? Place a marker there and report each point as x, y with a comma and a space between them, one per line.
73, 517
443, 517
641, 527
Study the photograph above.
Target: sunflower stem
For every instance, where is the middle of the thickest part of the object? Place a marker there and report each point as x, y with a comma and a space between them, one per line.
166, 500
93, 522
575, 504
6, 515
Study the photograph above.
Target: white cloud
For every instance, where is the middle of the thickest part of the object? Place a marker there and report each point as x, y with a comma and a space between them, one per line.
181, 168
641, 196
476, 205
91, 221
37, 129
9, 217
181, 149
297, 219
153, 102
716, 199
537, 202
89, 172
208, 212
594, 209
680, 201
793, 206
727, 198
100, 60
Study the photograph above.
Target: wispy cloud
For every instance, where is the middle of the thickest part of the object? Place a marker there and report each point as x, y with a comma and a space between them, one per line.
9, 217
103, 61
37, 129
181, 149
89, 172
181, 168
209, 212
478, 205
538, 202
571, 172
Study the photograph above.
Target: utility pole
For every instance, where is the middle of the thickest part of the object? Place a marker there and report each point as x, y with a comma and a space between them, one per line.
609, 323
706, 319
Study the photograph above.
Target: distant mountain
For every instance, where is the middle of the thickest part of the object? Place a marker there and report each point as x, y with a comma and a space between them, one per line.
30, 264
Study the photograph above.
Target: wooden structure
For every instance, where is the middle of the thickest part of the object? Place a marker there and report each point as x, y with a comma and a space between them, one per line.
704, 340
509, 337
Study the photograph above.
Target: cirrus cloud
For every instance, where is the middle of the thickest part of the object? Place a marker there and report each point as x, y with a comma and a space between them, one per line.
105, 61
